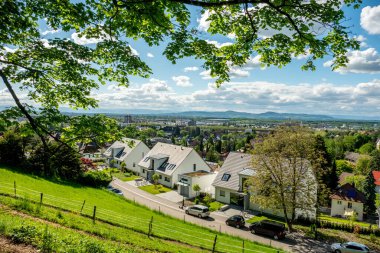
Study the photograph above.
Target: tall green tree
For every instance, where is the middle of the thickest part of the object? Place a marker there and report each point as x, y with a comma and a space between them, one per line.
370, 194
374, 163
284, 178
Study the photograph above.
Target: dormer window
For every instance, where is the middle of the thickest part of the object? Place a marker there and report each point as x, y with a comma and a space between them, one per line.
226, 177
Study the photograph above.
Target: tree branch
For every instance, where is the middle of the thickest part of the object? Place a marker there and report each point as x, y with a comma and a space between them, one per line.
32, 122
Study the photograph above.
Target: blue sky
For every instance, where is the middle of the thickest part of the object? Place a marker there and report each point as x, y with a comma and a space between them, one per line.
354, 90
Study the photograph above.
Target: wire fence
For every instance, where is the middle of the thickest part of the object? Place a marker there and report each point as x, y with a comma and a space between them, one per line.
150, 227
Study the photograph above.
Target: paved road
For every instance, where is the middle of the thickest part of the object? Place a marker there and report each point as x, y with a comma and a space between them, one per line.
293, 243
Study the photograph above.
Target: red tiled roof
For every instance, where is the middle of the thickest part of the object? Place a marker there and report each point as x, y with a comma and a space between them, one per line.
376, 176
349, 193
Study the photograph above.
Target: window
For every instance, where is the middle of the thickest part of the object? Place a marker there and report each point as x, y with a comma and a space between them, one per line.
194, 167
349, 205
226, 177
143, 171
222, 193
160, 177
134, 164
167, 179
339, 202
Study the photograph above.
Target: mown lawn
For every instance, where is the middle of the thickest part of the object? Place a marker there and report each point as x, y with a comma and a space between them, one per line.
125, 176
155, 189
340, 220
110, 206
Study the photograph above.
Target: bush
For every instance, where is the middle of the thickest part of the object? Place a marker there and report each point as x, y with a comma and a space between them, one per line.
95, 178
23, 234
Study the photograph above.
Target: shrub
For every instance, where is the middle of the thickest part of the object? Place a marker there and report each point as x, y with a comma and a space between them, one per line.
24, 234
95, 178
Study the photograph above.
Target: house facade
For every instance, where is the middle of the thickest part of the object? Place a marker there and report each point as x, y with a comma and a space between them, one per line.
229, 182
230, 185
204, 179
346, 201
130, 151
169, 161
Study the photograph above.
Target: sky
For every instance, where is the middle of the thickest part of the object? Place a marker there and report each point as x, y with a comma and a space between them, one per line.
186, 86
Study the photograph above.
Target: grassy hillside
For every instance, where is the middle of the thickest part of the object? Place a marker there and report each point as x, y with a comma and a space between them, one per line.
129, 217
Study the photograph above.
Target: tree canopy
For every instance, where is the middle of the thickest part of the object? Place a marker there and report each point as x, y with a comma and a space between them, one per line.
59, 72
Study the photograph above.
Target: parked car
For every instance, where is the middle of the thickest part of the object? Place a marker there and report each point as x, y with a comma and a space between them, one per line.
269, 228
198, 210
117, 191
236, 221
349, 247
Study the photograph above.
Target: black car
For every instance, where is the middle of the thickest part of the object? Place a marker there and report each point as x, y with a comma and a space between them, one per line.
117, 191
269, 228
236, 221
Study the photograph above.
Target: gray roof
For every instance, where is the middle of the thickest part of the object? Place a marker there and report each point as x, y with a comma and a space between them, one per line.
247, 172
126, 146
234, 164
175, 156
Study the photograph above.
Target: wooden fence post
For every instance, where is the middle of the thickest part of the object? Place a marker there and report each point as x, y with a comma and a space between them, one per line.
14, 186
213, 246
94, 215
41, 197
150, 227
243, 246
84, 202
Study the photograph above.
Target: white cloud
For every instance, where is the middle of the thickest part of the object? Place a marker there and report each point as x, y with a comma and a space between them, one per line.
218, 44
134, 51
323, 98
238, 72
364, 62
150, 55
206, 75
50, 32
370, 19
253, 63
84, 41
190, 69
182, 81
203, 23
362, 40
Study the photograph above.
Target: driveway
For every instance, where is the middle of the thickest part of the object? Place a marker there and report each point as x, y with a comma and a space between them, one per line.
172, 196
293, 243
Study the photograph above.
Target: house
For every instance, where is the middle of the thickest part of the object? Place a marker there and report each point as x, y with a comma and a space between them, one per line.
346, 201
129, 151
230, 180
201, 178
352, 157
343, 176
169, 161
376, 176
378, 144
230, 185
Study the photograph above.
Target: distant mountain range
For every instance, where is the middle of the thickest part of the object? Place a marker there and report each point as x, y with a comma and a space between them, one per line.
223, 114
245, 115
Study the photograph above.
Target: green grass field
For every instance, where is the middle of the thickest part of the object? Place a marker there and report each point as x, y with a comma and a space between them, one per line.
113, 208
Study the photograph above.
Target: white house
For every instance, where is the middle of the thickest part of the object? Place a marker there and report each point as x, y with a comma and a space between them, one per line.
346, 201
202, 178
130, 151
230, 185
169, 161
378, 144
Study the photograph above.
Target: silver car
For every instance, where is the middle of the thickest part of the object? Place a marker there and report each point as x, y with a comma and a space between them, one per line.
349, 247
198, 210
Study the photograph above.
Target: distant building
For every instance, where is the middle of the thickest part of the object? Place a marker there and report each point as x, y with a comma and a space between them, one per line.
352, 157
346, 201
378, 144
343, 176
128, 119
376, 176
